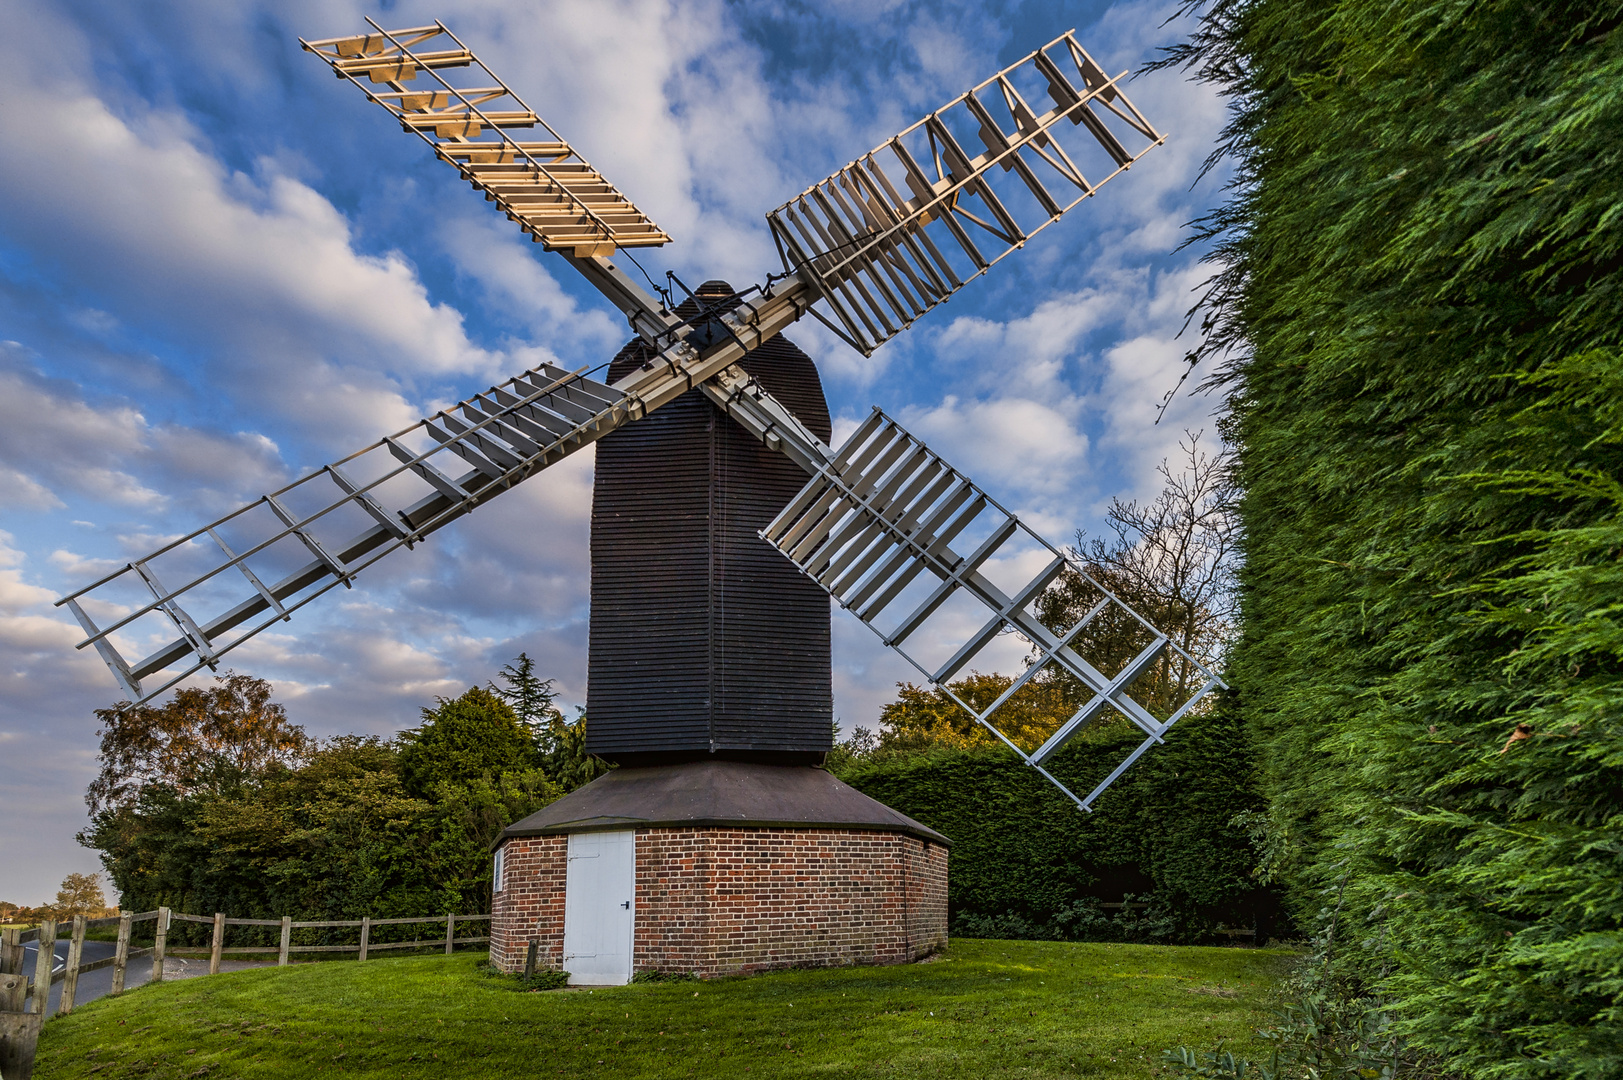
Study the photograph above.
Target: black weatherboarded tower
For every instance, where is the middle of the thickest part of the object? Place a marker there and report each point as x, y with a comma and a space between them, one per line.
706, 643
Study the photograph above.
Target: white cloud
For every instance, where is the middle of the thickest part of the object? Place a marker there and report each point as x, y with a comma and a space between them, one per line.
74, 565
1137, 373
865, 673
666, 101
1029, 353
256, 271
489, 250
35, 634
1058, 407
24, 492
53, 441
523, 556
946, 56
1013, 442
16, 594
36, 638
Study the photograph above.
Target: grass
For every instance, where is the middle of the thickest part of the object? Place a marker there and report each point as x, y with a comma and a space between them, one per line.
987, 1009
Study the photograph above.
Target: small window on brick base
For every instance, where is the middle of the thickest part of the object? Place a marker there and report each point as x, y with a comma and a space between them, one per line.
496, 870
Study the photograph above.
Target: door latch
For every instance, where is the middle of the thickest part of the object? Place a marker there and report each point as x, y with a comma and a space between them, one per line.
626, 904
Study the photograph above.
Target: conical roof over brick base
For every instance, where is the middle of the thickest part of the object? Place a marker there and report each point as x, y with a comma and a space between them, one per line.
718, 793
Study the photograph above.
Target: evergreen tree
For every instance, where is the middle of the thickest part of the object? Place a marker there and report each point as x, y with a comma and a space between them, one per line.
531, 699
1418, 288
475, 736
561, 742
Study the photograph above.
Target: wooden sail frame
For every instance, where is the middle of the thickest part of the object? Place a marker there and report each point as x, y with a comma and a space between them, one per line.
887, 238
545, 186
875, 528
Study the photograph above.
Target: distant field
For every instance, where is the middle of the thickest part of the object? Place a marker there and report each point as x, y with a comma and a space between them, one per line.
989, 1009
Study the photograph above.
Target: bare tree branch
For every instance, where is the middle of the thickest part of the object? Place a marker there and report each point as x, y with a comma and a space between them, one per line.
1172, 559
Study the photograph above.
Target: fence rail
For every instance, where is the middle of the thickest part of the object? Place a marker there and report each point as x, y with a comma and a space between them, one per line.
35, 994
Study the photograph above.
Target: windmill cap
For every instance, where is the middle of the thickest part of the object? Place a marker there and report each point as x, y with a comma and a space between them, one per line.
714, 287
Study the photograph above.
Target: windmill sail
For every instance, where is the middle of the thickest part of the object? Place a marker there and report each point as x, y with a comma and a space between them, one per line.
552, 193
875, 527
903, 227
543, 185
192, 600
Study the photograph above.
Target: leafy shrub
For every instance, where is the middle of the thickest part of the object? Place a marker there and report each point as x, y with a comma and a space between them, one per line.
1419, 279
1419, 286
1220, 1064
1138, 921
540, 979
1324, 1030
543, 979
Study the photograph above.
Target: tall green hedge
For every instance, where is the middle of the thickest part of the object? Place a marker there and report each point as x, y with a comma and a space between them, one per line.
1021, 848
1421, 285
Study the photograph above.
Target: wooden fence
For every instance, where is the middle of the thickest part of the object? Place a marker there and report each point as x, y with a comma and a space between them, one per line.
36, 992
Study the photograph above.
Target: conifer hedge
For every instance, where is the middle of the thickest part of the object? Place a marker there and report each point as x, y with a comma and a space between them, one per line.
1024, 853
1422, 299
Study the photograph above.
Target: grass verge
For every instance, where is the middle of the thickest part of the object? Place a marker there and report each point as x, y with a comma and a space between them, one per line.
988, 1009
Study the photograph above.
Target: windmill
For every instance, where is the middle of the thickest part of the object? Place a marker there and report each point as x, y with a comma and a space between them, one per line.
720, 739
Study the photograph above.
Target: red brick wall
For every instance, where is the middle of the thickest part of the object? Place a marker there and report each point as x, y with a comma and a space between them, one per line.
725, 901
532, 904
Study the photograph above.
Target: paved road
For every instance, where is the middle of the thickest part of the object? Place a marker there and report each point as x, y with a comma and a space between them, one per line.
98, 983
92, 984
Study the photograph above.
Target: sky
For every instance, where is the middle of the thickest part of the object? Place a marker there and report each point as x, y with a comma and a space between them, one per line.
220, 267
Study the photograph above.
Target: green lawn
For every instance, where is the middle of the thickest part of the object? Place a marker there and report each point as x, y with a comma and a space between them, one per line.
987, 1009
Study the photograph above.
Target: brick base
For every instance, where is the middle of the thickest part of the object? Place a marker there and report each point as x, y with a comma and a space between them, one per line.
729, 901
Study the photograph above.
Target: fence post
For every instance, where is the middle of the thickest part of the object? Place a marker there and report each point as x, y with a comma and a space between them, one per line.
13, 993
11, 951
450, 931
70, 978
44, 960
19, 1031
218, 944
121, 955
287, 939
366, 933
160, 938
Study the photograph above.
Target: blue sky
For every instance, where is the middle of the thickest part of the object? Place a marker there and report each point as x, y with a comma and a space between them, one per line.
220, 267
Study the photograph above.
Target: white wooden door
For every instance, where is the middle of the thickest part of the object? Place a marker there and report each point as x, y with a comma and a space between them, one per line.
600, 907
